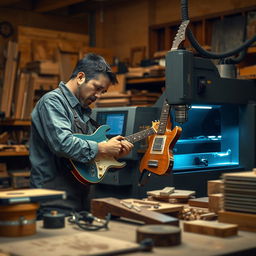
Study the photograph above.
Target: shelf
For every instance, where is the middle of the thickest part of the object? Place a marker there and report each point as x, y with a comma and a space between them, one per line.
12, 122
13, 153
251, 49
144, 80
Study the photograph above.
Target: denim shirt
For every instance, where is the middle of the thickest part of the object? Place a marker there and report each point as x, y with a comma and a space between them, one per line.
52, 141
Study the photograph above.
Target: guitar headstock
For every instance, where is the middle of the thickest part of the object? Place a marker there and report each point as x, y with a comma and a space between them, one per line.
155, 125
180, 36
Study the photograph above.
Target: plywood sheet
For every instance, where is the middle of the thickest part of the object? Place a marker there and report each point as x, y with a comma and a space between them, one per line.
30, 195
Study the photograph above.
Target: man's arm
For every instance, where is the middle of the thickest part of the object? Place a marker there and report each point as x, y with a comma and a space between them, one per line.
59, 137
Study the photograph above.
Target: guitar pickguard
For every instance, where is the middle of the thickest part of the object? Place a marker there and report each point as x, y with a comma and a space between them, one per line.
158, 144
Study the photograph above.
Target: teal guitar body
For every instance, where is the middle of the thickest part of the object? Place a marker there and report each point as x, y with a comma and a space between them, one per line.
94, 171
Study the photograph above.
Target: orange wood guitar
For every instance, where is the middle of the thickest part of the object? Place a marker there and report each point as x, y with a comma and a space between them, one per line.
158, 158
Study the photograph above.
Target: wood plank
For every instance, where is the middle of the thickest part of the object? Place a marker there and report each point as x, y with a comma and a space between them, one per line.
145, 80
155, 206
202, 202
13, 122
176, 194
9, 78
67, 62
245, 221
19, 101
214, 186
210, 228
102, 206
8, 2
49, 5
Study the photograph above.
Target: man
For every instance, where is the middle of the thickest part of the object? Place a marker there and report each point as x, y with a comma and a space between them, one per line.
56, 117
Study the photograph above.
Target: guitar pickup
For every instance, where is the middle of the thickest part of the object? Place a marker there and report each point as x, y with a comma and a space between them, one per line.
153, 163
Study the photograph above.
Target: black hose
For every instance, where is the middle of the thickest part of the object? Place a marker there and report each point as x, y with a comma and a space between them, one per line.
202, 51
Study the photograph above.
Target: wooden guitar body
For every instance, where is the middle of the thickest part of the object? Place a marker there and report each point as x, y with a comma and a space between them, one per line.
159, 158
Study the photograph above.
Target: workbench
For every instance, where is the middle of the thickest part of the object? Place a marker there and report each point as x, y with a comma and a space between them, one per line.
192, 244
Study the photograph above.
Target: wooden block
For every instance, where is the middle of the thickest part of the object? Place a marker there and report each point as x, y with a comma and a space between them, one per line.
167, 191
102, 206
245, 221
199, 202
215, 202
155, 206
208, 216
3, 170
20, 179
31, 195
162, 235
176, 194
182, 193
214, 187
210, 228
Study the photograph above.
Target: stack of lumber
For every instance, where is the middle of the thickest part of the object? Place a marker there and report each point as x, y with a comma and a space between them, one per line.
151, 71
248, 72
240, 192
9, 78
240, 200
171, 195
25, 98
13, 148
44, 67
113, 100
143, 98
116, 96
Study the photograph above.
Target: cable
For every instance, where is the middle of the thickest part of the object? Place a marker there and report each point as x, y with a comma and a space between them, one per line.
87, 221
202, 51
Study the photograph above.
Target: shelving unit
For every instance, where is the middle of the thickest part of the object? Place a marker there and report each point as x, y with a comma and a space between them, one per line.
13, 122
144, 80
161, 36
13, 153
15, 157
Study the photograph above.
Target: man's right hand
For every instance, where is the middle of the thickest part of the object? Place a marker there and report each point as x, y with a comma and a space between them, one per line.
111, 147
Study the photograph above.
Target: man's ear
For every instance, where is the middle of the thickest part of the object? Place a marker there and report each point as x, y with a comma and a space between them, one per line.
80, 78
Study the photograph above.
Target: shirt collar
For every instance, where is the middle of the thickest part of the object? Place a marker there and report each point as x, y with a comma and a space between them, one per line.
72, 99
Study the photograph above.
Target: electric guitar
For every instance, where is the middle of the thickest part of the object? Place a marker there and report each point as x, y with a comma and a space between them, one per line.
159, 157
94, 171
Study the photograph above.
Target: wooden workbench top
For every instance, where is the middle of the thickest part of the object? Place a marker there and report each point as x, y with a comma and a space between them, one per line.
192, 244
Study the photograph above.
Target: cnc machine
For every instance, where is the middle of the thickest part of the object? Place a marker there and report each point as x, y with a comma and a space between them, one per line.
217, 115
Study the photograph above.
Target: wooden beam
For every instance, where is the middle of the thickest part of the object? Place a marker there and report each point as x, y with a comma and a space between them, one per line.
8, 2
49, 5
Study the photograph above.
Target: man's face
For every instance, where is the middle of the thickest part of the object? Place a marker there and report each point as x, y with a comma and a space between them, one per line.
90, 91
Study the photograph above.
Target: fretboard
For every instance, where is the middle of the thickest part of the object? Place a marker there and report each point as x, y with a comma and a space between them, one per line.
140, 135
163, 118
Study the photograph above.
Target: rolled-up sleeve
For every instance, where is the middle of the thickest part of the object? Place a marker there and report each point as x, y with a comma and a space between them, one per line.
59, 137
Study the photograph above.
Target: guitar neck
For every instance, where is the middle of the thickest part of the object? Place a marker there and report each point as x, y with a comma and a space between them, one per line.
140, 135
163, 118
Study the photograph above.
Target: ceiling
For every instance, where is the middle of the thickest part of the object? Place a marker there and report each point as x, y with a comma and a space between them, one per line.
59, 7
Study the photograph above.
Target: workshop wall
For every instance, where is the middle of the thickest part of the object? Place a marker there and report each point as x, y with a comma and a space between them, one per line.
124, 26
45, 21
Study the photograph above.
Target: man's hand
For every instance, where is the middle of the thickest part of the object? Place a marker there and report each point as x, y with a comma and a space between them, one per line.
116, 147
126, 148
111, 147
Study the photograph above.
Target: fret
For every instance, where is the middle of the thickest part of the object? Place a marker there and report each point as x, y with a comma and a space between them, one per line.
163, 118
140, 135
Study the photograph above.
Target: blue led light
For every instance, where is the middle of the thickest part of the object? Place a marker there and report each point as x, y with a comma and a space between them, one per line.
201, 107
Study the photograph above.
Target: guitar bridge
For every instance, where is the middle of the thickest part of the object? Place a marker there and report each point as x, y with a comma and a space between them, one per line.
153, 163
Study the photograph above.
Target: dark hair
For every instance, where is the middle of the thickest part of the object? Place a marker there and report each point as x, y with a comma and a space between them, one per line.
92, 65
